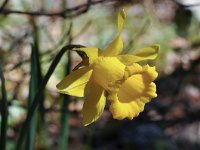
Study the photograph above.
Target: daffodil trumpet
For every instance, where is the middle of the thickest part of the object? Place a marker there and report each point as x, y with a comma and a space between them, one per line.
128, 84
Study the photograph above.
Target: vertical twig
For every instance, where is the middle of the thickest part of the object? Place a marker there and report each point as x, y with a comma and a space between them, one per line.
3, 5
64, 132
65, 114
4, 113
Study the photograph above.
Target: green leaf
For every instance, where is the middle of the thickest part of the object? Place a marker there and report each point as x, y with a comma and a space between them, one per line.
65, 114
40, 91
4, 113
33, 86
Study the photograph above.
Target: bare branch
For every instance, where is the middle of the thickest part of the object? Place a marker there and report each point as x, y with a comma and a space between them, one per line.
192, 5
67, 13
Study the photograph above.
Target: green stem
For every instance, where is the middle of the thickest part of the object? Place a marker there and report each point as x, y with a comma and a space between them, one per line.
65, 114
40, 91
31, 134
89, 138
4, 113
65, 124
33, 86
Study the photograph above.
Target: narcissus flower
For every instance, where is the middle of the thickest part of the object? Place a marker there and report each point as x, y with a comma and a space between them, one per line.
129, 85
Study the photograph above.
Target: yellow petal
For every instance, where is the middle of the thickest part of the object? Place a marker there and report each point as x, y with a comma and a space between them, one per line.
91, 53
150, 52
121, 20
134, 93
133, 88
116, 47
149, 73
74, 83
94, 103
107, 70
127, 110
146, 53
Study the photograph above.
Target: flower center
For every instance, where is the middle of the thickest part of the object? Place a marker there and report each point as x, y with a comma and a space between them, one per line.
132, 89
135, 84
107, 70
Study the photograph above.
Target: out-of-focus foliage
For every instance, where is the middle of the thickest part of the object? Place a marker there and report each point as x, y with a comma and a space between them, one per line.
171, 121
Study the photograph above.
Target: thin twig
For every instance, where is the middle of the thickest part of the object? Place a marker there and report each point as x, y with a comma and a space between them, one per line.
67, 13
49, 51
4, 113
3, 5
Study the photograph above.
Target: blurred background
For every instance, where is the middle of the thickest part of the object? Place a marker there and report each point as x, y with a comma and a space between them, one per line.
33, 32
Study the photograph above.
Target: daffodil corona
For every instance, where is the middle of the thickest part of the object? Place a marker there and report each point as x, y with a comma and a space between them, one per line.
129, 85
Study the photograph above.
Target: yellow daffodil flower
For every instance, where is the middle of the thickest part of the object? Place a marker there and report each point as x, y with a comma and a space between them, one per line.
129, 85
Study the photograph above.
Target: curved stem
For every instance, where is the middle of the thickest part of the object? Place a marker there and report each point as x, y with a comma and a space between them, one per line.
39, 93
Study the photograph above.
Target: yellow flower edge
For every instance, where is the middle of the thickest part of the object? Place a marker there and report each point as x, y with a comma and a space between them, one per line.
133, 92
129, 85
